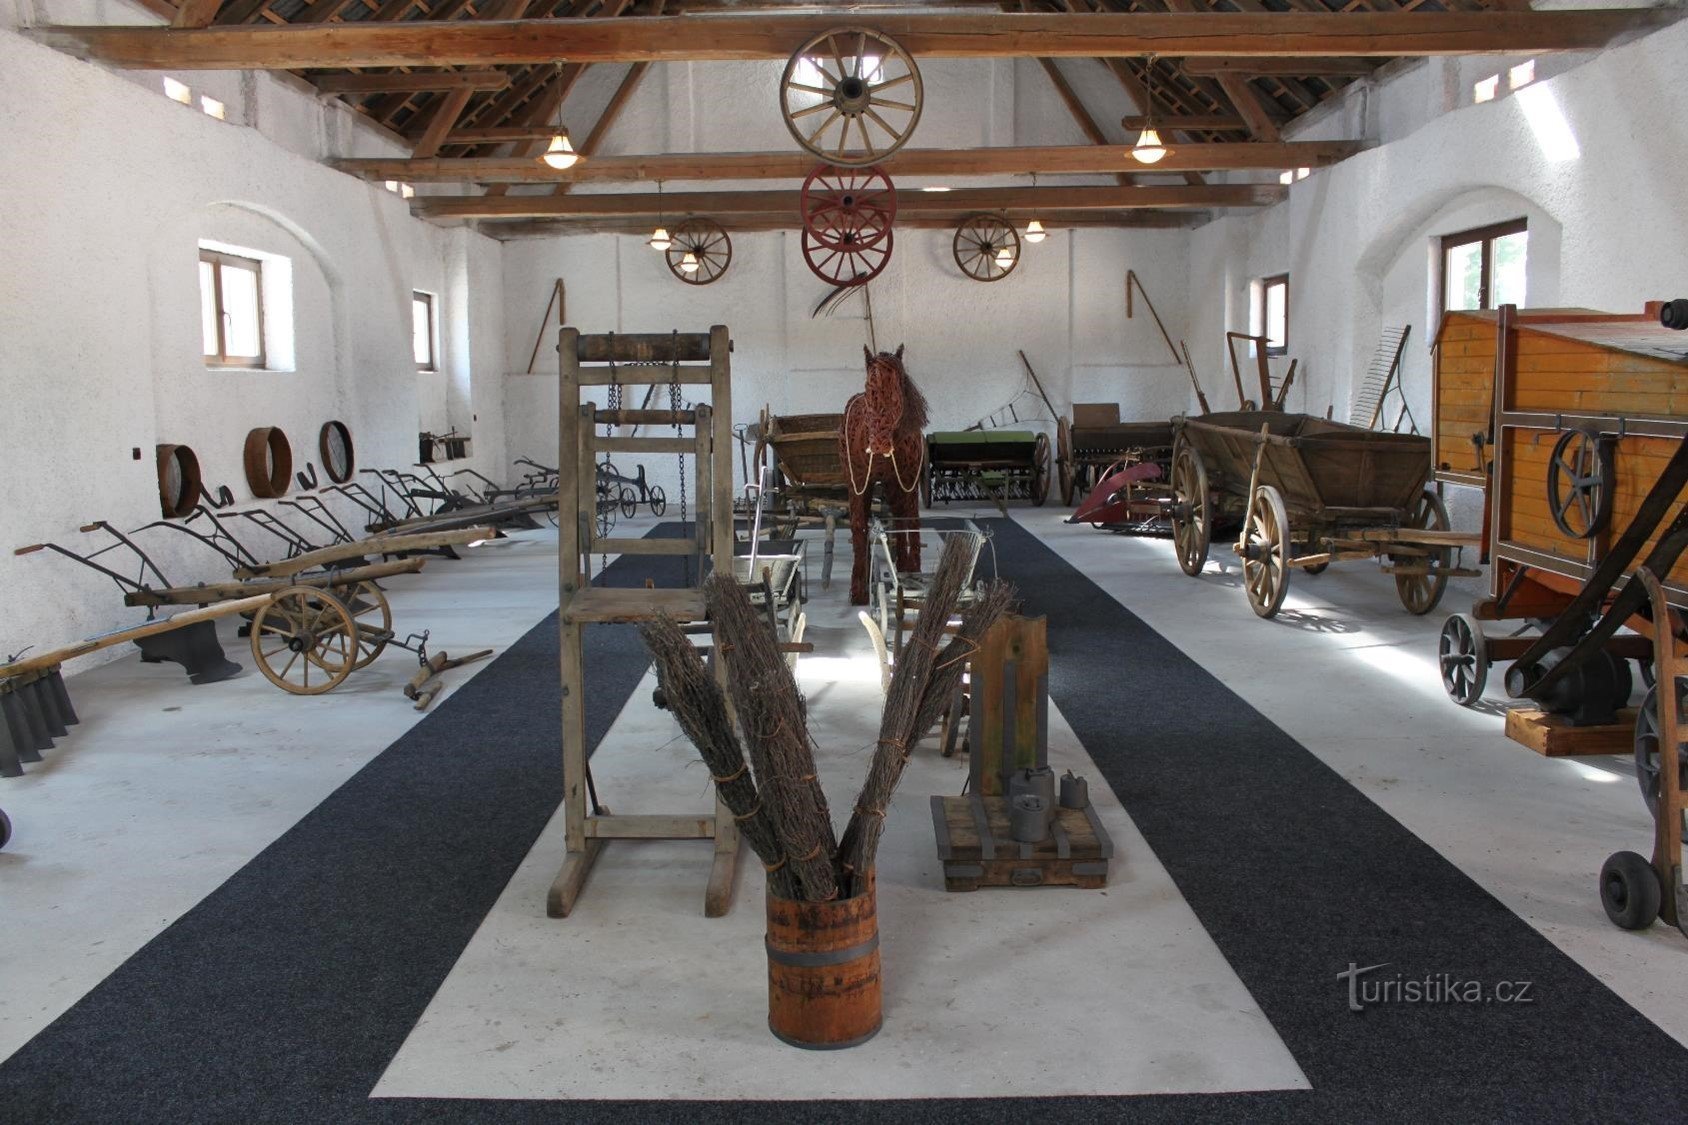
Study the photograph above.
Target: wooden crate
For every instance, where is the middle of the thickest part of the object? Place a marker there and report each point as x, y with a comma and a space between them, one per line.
977, 850
1553, 736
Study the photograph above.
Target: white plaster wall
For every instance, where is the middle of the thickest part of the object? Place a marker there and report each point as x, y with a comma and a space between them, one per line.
1608, 226
1063, 305
106, 189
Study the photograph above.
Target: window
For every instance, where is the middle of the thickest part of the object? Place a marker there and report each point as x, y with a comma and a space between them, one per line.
1521, 75
231, 309
1486, 90
1484, 268
422, 330
1271, 315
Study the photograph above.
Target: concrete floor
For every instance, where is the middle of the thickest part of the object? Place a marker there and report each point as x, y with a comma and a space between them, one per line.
166, 789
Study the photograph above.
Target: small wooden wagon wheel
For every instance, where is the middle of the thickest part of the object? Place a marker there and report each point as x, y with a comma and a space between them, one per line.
1420, 593
708, 246
1579, 483
851, 86
1192, 516
850, 263
979, 244
1463, 653
1266, 551
374, 618
1040, 470
1064, 460
1647, 749
305, 641
861, 202
338, 457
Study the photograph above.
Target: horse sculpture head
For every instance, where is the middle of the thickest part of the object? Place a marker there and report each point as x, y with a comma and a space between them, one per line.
893, 401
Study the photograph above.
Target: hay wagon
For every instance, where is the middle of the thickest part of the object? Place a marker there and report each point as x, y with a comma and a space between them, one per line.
992, 465
1306, 492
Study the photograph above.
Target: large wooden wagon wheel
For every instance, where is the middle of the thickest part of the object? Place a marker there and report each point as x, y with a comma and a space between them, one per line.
855, 203
1192, 512
305, 641
374, 618
1064, 460
850, 263
1040, 470
979, 244
1463, 653
1420, 593
1266, 551
1579, 483
1647, 749
851, 86
706, 244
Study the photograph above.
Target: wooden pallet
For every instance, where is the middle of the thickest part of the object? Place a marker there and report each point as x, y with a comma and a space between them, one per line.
977, 850
1553, 736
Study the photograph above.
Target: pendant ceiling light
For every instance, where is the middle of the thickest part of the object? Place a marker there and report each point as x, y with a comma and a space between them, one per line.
1148, 149
659, 239
689, 262
1035, 231
560, 153
1005, 257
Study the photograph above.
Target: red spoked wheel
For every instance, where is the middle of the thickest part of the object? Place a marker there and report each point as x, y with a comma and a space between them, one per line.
850, 263
848, 206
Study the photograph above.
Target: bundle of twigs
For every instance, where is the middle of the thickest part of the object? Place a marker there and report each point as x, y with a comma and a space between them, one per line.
777, 798
695, 700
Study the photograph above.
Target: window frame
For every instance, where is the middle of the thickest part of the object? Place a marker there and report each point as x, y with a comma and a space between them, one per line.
1266, 285
218, 260
1486, 235
427, 299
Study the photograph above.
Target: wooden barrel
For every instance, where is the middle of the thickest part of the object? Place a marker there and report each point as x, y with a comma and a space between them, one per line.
823, 971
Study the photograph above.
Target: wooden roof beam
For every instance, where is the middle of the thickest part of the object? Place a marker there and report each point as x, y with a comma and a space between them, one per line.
641, 227
926, 35
411, 81
1293, 68
1187, 122
722, 203
794, 165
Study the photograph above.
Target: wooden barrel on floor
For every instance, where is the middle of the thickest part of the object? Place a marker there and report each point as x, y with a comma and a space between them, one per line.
823, 971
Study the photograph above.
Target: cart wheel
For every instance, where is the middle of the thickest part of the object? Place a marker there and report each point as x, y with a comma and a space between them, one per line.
1064, 460
1420, 593
305, 641
1192, 518
659, 500
1647, 749
375, 621
5, 828
629, 502
1629, 890
1579, 483
606, 516
1463, 653
1265, 549
1040, 470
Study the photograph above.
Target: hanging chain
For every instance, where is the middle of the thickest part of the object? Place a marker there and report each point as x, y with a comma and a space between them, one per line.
674, 405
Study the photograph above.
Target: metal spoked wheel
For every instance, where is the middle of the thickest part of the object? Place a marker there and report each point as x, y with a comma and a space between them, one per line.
305, 641
1420, 593
1192, 515
1647, 749
606, 514
1040, 470
851, 86
1064, 460
986, 247
374, 618
1266, 551
700, 251
629, 501
659, 500
1579, 483
1463, 654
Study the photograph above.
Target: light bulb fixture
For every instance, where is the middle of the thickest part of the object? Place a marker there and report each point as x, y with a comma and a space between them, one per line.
1005, 257
560, 154
1035, 232
689, 263
659, 239
1148, 149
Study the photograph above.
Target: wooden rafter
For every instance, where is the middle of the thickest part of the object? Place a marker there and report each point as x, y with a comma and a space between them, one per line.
606, 120
1298, 68
414, 81
925, 35
720, 203
1075, 108
794, 165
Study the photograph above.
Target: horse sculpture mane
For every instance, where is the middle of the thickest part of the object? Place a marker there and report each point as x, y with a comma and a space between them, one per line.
914, 403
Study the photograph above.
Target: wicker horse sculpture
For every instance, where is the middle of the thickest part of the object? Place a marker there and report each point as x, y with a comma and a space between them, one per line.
882, 442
